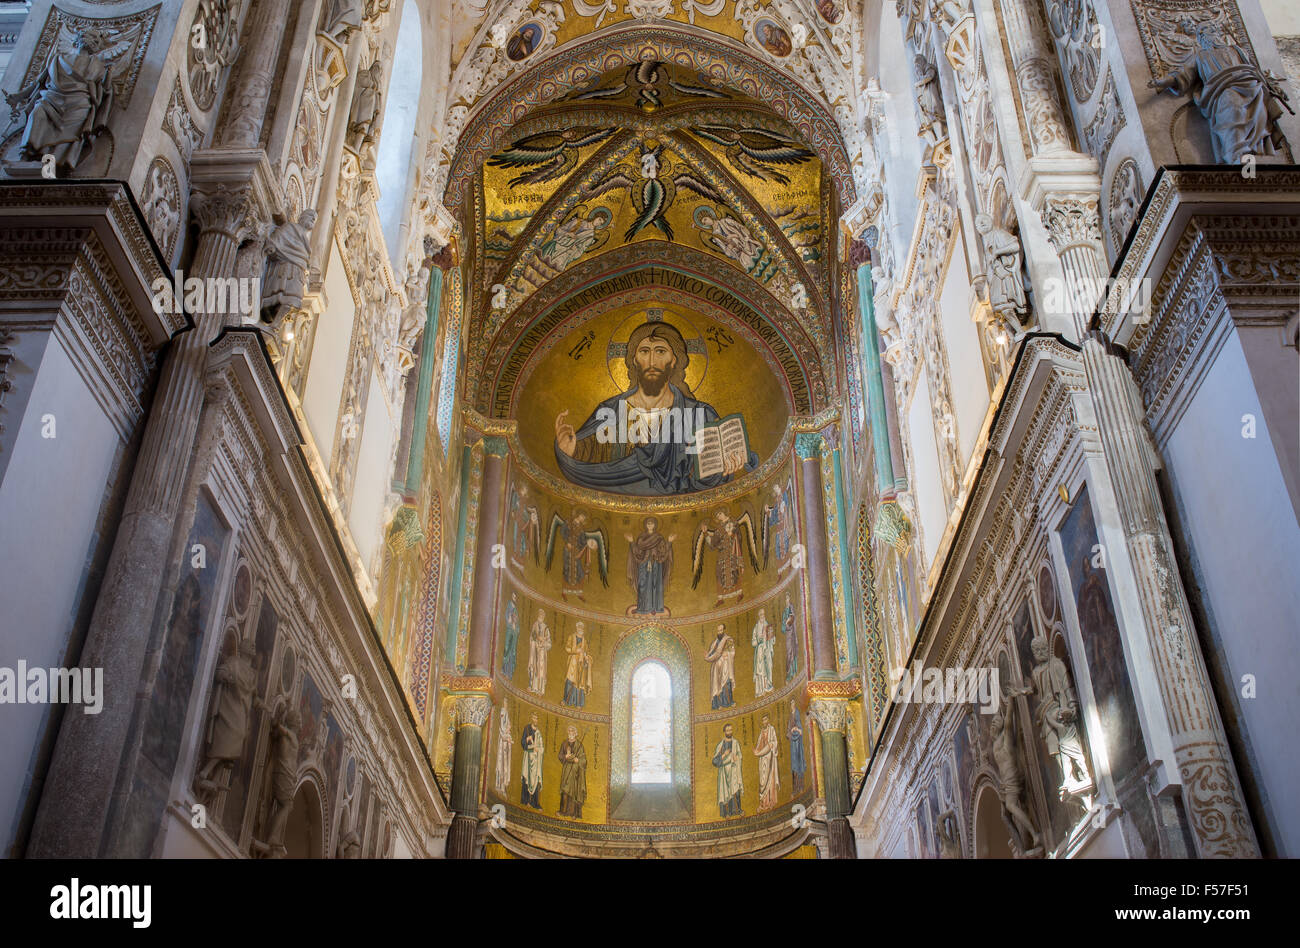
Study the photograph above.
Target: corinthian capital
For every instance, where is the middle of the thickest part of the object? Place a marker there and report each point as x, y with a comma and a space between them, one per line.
472, 710
1072, 220
831, 714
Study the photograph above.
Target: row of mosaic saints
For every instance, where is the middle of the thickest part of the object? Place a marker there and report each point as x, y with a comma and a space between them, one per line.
727, 757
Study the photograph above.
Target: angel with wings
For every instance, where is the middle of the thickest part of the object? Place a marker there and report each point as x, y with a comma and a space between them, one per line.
68, 104
525, 530
550, 155
653, 185
583, 542
731, 539
778, 524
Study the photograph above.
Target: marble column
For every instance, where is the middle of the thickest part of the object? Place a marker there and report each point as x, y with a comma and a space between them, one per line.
466, 774
831, 715
812, 505
880, 447
1212, 795
1074, 228
487, 568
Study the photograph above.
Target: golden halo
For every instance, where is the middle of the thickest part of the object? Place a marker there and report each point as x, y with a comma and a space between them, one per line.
696, 350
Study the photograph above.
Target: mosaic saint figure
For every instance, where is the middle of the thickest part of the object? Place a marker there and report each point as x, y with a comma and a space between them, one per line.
512, 636
722, 675
577, 676
573, 775
731, 539
583, 543
656, 367
525, 531
649, 562
726, 758
763, 638
530, 777
791, 639
505, 744
778, 523
539, 644
766, 750
798, 765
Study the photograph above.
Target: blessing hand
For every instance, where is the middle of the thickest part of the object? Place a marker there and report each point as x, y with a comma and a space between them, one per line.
565, 436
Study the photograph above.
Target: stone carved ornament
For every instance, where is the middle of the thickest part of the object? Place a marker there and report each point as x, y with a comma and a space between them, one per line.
68, 104
1241, 102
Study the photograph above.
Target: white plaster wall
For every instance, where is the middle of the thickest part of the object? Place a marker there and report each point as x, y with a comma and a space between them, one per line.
927, 489
49, 503
329, 357
970, 392
1283, 16
397, 135
374, 475
1238, 519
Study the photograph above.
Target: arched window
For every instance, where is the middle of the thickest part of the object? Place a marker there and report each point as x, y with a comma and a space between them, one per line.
652, 739
397, 133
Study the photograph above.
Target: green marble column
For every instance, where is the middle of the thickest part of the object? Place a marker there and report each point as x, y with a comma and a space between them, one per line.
466, 774
832, 720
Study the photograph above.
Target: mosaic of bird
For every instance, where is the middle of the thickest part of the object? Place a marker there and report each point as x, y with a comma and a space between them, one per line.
551, 155
755, 150
653, 185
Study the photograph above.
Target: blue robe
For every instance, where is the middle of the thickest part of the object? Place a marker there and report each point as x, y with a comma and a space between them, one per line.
646, 470
797, 763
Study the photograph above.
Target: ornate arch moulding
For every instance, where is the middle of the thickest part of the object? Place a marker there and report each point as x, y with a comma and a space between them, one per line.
493, 119
491, 360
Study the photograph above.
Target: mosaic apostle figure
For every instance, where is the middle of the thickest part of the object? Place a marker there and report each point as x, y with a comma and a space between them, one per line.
505, 744
512, 636
656, 366
577, 675
726, 758
763, 638
767, 752
573, 775
539, 645
525, 531
791, 639
649, 563
721, 657
798, 765
530, 774
778, 522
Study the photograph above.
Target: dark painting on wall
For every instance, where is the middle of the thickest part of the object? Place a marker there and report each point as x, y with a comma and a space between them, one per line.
1104, 651
183, 638
961, 742
236, 801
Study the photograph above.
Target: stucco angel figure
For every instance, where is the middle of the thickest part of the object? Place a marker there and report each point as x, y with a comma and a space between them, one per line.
1241, 102
68, 104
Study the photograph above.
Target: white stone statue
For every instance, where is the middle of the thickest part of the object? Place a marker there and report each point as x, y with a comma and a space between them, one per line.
929, 100
1058, 716
1002, 256
366, 100
949, 837
288, 249
1241, 102
232, 701
284, 777
1011, 777
68, 105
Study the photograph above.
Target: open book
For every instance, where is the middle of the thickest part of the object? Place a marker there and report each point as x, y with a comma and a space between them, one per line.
725, 438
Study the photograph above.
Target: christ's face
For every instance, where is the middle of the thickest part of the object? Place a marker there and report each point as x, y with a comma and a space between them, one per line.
654, 362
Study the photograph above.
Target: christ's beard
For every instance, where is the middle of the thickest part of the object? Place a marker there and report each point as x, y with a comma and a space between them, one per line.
653, 381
